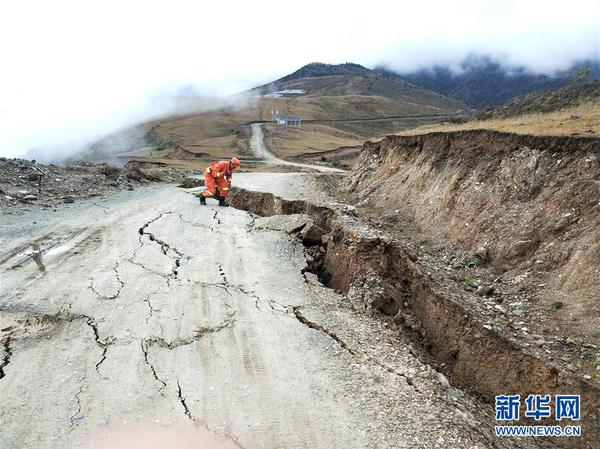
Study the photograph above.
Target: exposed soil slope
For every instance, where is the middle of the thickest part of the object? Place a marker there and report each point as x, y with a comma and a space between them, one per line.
379, 273
519, 215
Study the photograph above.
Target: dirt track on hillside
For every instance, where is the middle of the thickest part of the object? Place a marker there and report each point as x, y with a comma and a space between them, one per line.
258, 148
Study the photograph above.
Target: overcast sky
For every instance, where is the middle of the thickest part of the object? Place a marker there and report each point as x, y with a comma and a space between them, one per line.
73, 70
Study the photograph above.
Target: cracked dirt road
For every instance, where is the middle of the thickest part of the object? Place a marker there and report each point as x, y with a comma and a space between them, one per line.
154, 312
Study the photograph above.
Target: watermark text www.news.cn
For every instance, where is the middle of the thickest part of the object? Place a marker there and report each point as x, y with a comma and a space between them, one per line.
548, 410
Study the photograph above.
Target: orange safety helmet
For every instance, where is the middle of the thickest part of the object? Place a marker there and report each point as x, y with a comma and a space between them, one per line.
235, 162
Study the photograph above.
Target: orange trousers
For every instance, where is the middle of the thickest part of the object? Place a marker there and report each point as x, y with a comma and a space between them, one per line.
212, 184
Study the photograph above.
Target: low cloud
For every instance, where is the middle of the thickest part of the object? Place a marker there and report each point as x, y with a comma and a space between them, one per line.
73, 71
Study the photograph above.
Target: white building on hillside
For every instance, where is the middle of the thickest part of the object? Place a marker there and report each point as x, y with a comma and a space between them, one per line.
288, 121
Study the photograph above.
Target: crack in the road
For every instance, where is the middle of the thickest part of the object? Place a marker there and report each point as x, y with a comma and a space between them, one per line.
250, 226
227, 287
151, 366
184, 341
7, 356
103, 344
196, 225
148, 223
151, 309
186, 410
78, 414
222, 273
119, 280
311, 324
65, 315
258, 299
215, 217
164, 246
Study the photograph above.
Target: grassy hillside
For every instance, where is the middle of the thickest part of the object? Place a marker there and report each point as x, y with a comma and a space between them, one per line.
332, 92
548, 101
571, 111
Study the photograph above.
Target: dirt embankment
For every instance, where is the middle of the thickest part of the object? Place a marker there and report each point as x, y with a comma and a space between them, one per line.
476, 338
520, 204
179, 152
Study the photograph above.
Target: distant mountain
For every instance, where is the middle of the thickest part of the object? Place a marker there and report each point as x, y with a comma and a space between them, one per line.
316, 69
369, 93
353, 103
482, 82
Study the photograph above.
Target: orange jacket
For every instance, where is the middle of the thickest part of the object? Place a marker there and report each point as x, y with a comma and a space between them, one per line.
220, 169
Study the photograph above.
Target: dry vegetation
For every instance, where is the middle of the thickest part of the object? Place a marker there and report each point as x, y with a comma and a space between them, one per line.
224, 133
581, 120
290, 141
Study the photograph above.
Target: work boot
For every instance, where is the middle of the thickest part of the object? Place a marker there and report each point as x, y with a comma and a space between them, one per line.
223, 203
203, 200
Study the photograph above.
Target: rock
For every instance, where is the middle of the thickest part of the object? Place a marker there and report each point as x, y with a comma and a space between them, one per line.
483, 254
312, 279
485, 290
521, 247
109, 171
563, 222
28, 198
311, 234
290, 224
190, 183
68, 199
136, 174
36, 176
444, 384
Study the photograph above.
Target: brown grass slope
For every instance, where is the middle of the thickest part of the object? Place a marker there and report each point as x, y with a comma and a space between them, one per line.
346, 91
570, 111
548, 101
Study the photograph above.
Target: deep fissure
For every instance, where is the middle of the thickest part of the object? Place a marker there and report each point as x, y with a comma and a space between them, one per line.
453, 339
7, 356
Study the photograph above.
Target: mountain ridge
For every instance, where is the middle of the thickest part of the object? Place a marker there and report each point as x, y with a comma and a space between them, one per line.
482, 82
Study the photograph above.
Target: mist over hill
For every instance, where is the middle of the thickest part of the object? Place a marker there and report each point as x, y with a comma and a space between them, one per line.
482, 81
